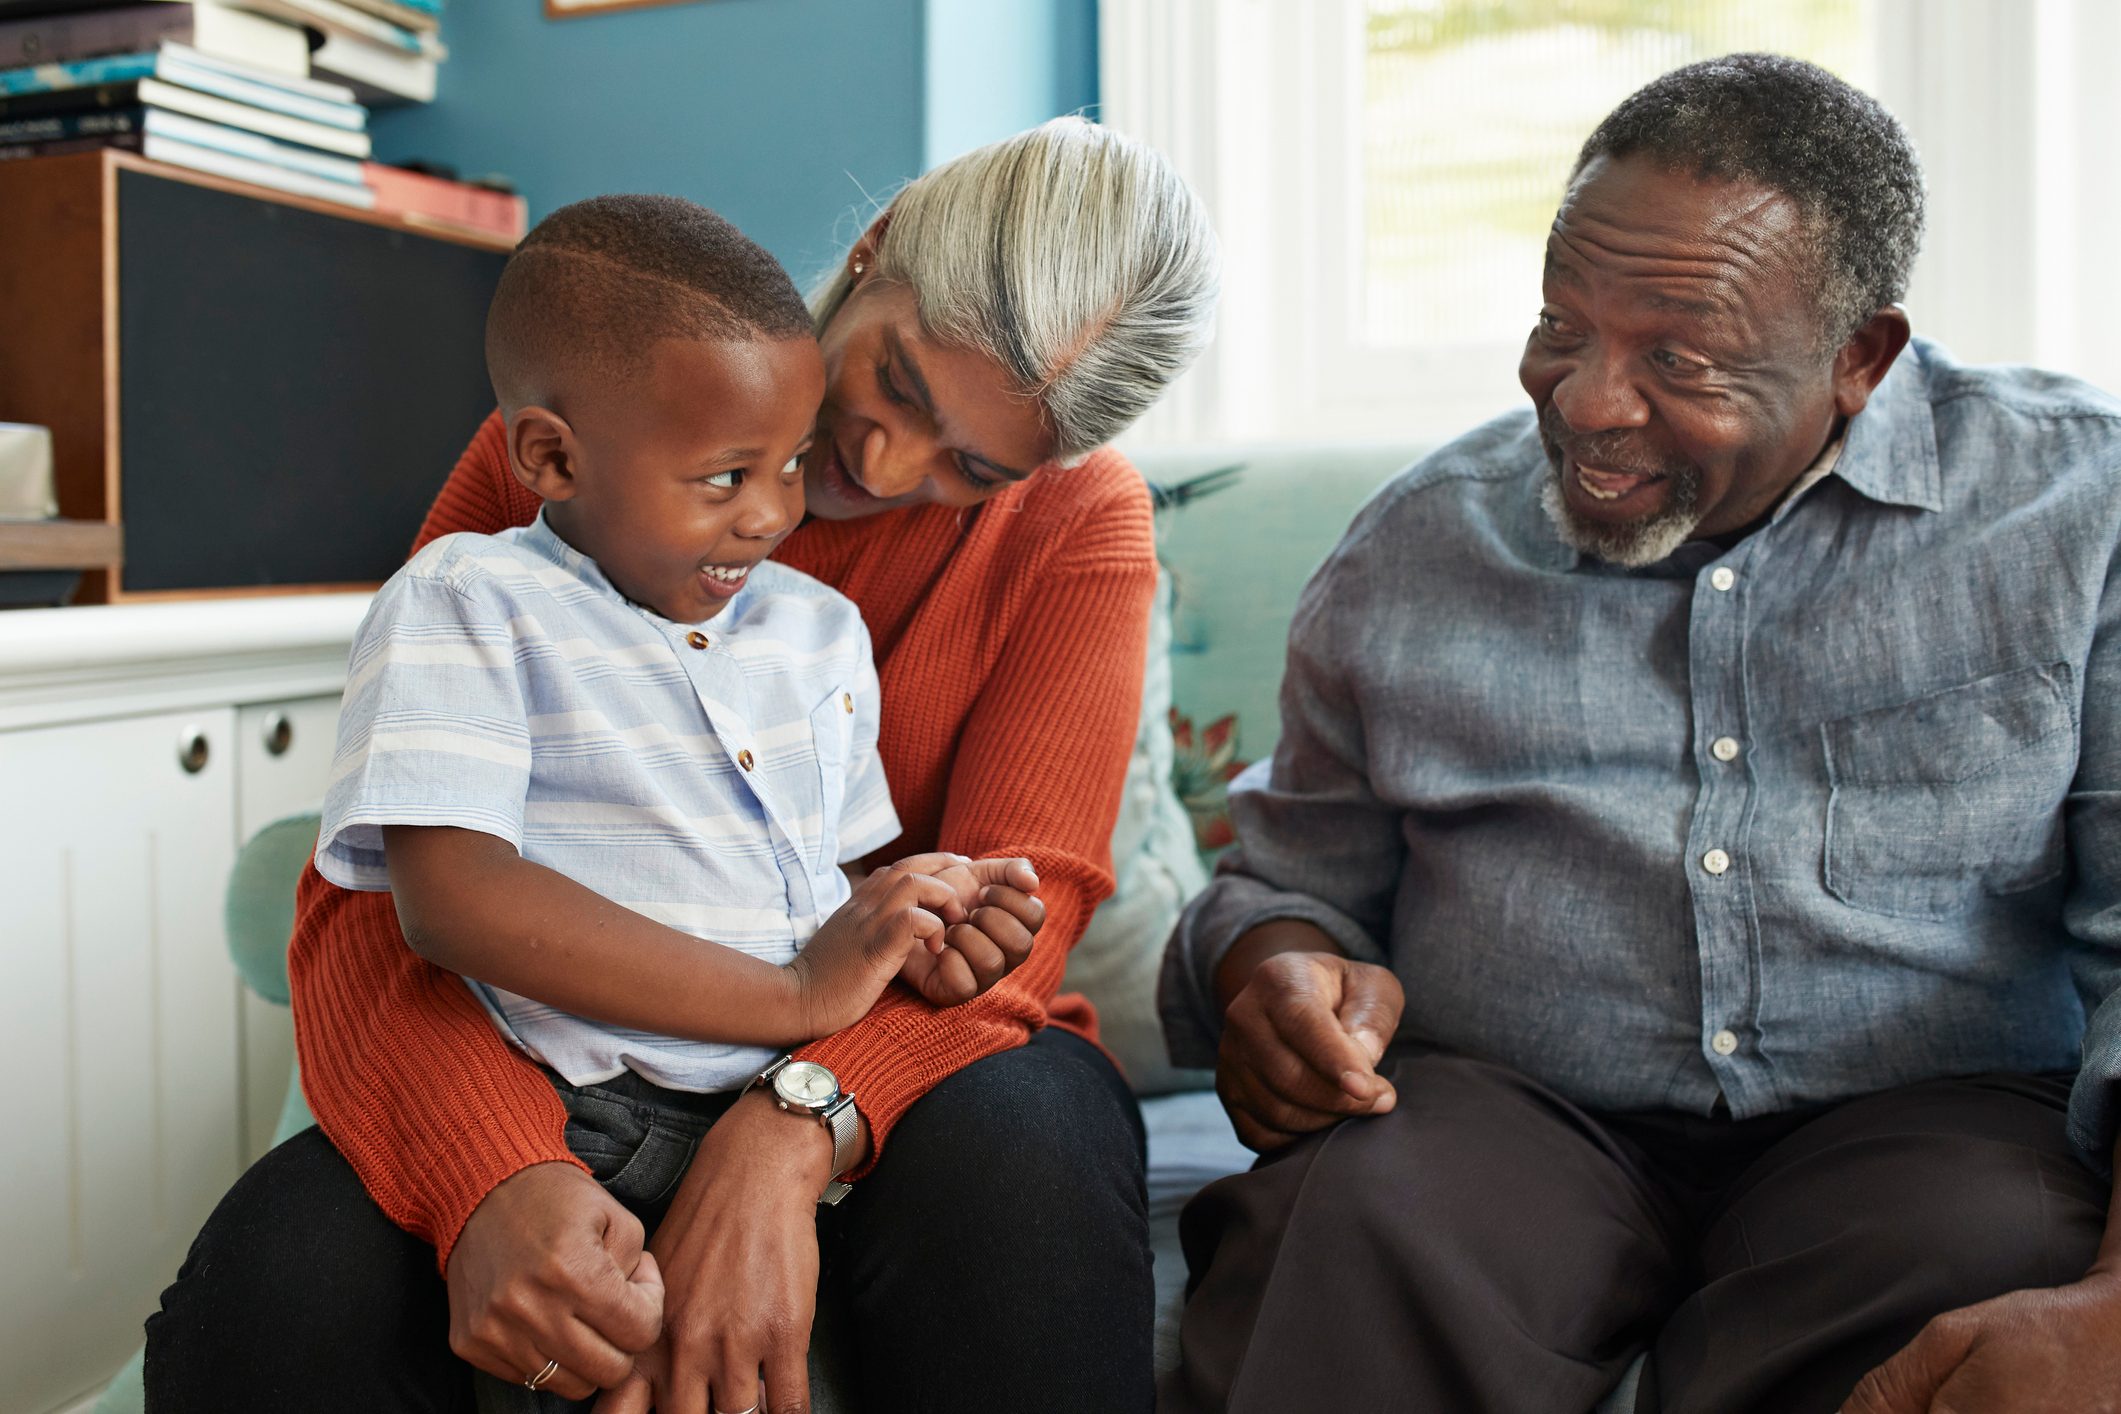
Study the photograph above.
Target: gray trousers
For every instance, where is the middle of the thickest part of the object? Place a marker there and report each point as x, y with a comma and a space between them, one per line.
1490, 1248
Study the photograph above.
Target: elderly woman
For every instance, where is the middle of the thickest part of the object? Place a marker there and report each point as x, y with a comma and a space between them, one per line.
1008, 314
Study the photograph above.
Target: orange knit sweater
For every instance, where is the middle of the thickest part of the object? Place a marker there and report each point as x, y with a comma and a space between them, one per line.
1009, 646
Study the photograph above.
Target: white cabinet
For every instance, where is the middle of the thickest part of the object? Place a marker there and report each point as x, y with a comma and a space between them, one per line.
137, 748
117, 1030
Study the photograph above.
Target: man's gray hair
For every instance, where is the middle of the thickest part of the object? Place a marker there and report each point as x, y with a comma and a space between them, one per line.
1795, 128
1074, 256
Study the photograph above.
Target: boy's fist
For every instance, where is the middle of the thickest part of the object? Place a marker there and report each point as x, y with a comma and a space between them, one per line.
999, 916
856, 952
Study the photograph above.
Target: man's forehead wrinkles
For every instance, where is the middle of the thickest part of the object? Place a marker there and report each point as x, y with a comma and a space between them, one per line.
1714, 269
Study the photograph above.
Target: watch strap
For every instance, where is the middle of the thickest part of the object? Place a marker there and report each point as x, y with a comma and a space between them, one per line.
845, 1126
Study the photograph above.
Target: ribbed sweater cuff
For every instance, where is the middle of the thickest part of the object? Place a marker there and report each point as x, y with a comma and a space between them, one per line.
905, 1047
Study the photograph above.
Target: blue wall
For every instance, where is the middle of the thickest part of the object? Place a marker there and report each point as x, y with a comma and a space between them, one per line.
779, 114
995, 67
776, 113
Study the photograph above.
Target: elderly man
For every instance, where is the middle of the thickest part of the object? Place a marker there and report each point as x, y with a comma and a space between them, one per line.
1684, 908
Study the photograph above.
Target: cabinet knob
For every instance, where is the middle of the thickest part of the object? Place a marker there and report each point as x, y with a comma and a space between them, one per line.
192, 751
279, 734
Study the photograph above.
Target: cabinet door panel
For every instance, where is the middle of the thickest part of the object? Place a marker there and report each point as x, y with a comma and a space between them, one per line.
121, 1034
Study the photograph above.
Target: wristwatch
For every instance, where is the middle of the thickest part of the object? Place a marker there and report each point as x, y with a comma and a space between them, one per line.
805, 1087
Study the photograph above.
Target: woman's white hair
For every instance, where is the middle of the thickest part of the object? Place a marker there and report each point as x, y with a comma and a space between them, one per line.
1073, 256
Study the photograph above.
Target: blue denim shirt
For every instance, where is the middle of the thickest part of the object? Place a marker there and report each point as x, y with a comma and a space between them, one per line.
1833, 810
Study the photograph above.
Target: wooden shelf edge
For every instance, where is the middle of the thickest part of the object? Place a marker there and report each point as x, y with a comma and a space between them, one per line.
120, 159
61, 545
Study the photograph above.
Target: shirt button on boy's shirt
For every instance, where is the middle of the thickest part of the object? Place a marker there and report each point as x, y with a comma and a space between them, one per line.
847, 703
743, 758
696, 639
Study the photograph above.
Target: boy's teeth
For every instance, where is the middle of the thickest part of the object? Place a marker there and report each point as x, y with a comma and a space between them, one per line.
728, 576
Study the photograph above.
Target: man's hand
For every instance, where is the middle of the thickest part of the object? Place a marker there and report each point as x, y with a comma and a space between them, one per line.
739, 1256
1301, 1040
2054, 1351
1001, 919
549, 1267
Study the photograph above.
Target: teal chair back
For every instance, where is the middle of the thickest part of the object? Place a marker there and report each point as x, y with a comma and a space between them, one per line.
258, 915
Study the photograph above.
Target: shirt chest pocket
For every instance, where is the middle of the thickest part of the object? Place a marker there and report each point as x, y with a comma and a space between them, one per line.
1934, 803
832, 736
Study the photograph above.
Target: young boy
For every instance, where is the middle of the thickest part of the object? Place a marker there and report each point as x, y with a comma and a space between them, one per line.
610, 765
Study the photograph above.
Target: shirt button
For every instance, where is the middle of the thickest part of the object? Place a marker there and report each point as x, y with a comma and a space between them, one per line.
1724, 748
696, 639
1723, 1043
743, 758
1715, 861
847, 702
1722, 577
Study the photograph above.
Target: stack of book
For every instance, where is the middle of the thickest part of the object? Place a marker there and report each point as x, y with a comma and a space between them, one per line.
225, 97
274, 92
387, 51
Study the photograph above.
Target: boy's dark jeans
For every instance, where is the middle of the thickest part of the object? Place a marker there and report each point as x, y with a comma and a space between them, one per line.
997, 1259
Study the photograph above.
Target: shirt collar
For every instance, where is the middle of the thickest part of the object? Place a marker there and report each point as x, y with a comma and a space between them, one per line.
1889, 452
542, 540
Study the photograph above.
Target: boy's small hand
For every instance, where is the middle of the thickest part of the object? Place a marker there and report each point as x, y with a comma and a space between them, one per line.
853, 956
1001, 920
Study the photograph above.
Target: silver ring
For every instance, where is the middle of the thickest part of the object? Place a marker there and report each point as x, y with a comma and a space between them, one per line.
551, 1366
754, 1409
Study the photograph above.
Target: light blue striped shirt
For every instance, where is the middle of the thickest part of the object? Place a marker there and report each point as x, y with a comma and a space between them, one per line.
712, 777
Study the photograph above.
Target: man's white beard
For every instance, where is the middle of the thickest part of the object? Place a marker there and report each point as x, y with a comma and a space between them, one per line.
1632, 544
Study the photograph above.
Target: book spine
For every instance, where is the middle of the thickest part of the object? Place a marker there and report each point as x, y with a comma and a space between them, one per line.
65, 39
72, 100
345, 17
413, 195
82, 73
350, 116
61, 126
404, 16
15, 151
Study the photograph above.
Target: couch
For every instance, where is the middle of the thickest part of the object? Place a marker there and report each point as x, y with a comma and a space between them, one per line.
1236, 550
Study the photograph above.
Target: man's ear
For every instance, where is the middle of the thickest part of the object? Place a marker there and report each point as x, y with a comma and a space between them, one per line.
541, 452
1867, 357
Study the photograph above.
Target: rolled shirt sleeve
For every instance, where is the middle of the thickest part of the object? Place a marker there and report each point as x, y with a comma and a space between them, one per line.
1315, 841
433, 729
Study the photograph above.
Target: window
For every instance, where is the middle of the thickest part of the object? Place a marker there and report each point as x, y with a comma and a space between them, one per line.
1383, 173
1471, 113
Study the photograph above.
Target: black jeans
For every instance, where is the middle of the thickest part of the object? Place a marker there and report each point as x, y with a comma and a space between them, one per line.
998, 1258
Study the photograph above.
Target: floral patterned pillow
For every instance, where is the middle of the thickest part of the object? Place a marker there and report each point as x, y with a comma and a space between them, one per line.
1203, 763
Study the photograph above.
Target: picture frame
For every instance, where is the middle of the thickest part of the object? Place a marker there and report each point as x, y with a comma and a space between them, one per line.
578, 9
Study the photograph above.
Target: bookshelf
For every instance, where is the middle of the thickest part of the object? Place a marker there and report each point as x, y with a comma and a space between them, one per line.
264, 389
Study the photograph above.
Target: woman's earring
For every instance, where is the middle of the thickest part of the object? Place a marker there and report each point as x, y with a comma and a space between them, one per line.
859, 267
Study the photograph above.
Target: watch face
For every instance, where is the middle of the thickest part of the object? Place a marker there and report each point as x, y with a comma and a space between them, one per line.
806, 1083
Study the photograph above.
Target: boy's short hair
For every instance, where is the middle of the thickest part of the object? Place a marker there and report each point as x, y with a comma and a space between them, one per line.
596, 284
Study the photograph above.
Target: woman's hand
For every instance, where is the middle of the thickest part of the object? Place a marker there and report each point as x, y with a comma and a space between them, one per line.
739, 1260
550, 1267
1000, 922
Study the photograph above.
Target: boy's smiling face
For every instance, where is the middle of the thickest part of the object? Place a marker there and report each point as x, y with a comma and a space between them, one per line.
680, 479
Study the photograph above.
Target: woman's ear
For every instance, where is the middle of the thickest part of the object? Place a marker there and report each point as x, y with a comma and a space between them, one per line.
541, 453
861, 259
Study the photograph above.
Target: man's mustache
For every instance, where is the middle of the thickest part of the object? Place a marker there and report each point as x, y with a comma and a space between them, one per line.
1613, 451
